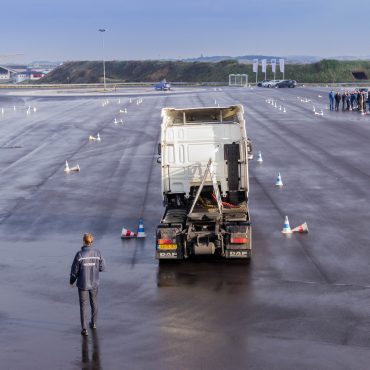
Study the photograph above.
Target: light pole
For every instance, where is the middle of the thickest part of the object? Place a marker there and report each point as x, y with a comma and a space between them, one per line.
102, 30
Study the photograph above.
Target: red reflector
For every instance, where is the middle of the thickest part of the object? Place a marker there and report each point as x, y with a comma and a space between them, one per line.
239, 240
165, 241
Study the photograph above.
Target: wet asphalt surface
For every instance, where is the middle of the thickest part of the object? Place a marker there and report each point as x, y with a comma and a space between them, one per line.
303, 301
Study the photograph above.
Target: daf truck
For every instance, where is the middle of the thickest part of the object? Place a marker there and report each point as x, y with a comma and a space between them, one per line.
204, 156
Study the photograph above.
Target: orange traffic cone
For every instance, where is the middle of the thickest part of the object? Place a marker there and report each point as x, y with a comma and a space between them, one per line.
301, 228
126, 233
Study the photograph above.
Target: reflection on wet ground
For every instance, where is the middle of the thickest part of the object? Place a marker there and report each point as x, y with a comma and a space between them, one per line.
90, 352
211, 272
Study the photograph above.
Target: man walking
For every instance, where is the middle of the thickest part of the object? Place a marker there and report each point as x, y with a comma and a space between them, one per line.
86, 266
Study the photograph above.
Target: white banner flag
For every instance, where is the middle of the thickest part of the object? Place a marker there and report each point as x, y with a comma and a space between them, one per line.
273, 65
264, 62
255, 65
282, 65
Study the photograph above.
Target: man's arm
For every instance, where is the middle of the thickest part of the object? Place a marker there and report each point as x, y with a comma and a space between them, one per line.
74, 269
101, 264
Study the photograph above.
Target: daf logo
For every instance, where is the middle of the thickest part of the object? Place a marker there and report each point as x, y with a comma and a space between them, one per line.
238, 253
167, 254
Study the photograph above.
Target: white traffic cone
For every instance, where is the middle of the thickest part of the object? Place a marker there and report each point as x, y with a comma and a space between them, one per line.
259, 157
140, 231
125, 110
286, 227
279, 107
284, 110
75, 168
115, 121
126, 233
130, 100
314, 109
279, 181
301, 228
98, 137
34, 109
66, 168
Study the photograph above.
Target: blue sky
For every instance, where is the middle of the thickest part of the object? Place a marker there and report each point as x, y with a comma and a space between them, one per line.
144, 29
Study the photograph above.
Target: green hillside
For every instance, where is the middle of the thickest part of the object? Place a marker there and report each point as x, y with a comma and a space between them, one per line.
325, 71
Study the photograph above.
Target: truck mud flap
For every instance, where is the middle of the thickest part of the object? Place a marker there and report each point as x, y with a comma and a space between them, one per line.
241, 253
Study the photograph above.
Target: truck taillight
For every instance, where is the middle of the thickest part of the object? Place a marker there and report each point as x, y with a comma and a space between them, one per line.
166, 241
238, 240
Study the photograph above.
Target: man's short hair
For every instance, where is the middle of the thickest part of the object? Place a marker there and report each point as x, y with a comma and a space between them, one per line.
88, 239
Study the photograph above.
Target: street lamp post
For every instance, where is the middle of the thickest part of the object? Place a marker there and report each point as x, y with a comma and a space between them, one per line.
102, 30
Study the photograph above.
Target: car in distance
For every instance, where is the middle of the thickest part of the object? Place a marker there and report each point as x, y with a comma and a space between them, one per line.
273, 83
287, 83
261, 83
163, 86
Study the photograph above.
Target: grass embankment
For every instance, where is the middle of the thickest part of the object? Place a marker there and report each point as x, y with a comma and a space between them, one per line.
325, 71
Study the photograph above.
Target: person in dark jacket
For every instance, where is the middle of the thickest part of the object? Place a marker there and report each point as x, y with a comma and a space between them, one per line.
360, 102
86, 266
337, 100
344, 101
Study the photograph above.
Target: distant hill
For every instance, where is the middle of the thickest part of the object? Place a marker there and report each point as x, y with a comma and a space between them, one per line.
325, 71
249, 58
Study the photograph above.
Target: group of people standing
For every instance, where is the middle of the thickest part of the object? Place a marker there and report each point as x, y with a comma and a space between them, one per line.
355, 100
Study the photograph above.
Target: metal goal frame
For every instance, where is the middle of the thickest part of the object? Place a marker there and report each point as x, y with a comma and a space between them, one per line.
238, 80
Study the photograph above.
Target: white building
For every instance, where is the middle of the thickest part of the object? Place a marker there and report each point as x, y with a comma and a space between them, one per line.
6, 74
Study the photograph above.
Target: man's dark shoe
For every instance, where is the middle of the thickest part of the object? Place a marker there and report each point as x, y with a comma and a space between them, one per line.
84, 332
92, 325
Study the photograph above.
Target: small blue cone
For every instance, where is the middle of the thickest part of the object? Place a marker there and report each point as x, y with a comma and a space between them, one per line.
141, 231
286, 227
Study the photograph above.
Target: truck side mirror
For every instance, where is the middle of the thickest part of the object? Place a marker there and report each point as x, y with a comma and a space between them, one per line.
159, 149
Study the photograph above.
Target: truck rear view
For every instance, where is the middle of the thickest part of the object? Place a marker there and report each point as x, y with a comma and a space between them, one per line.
204, 168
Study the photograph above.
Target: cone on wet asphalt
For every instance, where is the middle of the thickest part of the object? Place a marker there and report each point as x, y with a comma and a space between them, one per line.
279, 181
141, 231
286, 227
